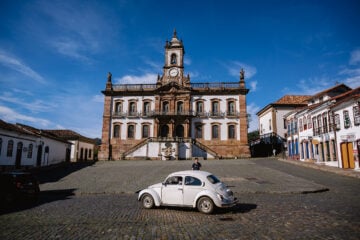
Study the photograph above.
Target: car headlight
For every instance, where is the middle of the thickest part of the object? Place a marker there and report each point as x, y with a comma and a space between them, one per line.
220, 196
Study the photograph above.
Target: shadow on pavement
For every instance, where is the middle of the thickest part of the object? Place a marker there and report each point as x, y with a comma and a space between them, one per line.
44, 197
55, 173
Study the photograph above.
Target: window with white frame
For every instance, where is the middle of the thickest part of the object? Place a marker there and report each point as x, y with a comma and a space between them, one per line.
10, 148
346, 118
30, 151
131, 131
231, 131
116, 132
356, 113
337, 121
145, 131
215, 131
198, 130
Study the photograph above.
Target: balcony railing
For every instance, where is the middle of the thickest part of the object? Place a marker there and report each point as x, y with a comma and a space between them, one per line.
177, 113
149, 87
223, 85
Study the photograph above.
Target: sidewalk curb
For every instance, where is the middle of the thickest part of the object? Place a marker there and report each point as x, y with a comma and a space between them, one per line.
340, 171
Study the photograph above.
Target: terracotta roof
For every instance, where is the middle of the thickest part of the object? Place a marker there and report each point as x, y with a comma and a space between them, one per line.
339, 89
293, 99
13, 128
70, 135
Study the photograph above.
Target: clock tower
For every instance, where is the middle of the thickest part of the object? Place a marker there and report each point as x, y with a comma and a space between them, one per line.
173, 70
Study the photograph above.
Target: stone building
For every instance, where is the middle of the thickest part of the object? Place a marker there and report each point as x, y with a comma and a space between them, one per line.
174, 118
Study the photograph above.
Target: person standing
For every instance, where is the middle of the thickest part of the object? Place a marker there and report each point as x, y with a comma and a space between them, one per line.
196, 165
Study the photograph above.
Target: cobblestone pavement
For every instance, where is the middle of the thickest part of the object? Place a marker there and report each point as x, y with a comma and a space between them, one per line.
273, 204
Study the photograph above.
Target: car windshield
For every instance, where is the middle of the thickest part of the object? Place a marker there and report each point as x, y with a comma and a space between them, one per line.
213, 179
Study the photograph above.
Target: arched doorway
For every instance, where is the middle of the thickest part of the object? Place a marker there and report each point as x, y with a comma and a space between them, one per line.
18, 155
39, 155
164, 131
179, 132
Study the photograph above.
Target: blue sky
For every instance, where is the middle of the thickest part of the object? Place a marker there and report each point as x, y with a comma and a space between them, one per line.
55, 55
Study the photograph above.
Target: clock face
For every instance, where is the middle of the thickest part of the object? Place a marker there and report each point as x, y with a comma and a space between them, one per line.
173, 72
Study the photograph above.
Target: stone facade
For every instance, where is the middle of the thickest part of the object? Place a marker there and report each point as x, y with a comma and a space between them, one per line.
174, 118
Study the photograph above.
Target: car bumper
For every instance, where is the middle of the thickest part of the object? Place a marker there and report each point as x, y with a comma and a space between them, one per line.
229, 203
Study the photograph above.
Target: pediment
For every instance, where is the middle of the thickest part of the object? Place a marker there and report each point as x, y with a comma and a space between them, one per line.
172, 87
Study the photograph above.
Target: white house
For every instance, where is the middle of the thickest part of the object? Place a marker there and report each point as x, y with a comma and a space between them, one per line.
24, 146
347, 123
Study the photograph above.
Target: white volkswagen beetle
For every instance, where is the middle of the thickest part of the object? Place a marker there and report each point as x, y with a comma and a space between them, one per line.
197, 189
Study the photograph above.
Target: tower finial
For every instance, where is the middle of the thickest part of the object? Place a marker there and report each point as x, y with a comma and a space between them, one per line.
175, 34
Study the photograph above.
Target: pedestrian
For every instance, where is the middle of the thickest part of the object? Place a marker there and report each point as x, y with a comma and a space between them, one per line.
274, 152
196, 165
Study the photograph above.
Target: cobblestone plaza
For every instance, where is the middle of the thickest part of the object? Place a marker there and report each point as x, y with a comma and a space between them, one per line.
277, 200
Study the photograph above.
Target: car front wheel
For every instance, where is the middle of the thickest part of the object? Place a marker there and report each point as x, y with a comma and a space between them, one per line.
147, 201
205, 205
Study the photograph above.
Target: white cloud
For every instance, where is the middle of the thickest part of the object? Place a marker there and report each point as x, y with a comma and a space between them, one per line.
33, 105
253, 85
252, 109
70, 48
17, 65
10, 115
148, 78
234, 68
354, 57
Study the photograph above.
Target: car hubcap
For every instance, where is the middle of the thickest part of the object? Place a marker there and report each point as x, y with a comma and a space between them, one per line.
147, 202
205, 205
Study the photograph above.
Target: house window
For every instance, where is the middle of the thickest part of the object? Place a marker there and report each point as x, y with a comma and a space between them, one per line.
30, 151
356, 113
215, 131
270, 124
90, 153
131, 131
346, 119
337, 121
180, 107
145, 131
199, 107
309, 122
116, 133
231, 108
10, 148
173, 58
301, 125
198, 131
166, 107
231, 131
325, 122
305, 123
215, 108
132, 108
146, 108
118, 107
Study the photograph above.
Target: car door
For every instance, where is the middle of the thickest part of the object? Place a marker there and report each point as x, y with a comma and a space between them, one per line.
172, 191
192, 187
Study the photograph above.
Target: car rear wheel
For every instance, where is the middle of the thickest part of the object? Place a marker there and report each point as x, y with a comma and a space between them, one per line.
147, 201
205, 205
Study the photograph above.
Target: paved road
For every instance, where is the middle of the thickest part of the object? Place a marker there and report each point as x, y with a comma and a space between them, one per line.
278, 200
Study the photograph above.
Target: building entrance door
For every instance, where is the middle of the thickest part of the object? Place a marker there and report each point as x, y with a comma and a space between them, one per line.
179, 131
347, 155
164, 131
18, 155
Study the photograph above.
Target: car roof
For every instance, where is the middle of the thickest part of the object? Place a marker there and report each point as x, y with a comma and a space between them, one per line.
192, 173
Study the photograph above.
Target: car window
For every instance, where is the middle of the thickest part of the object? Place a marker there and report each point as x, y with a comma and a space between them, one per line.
213, 179
174, 180
192, 181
